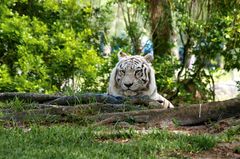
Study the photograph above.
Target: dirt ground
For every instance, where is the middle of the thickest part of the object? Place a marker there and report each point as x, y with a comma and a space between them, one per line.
226, 150
222, 150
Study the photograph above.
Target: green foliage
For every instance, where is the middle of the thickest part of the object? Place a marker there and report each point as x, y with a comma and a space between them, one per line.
135, 16
226, 17
104, 72
45, 43
51, 46
208, 32
165, 68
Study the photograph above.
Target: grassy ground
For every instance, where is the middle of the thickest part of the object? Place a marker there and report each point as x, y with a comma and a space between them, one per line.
36, 139
72, 141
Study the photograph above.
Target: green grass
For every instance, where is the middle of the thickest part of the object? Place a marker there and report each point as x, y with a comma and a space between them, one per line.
231, 134
17, 105
71, 141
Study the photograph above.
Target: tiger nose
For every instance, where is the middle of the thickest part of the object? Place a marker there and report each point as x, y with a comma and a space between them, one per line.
128, 84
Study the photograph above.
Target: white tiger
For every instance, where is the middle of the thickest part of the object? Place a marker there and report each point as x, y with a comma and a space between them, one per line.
134, 76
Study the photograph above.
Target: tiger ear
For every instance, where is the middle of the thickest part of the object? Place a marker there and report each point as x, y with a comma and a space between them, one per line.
121, 55
148, 58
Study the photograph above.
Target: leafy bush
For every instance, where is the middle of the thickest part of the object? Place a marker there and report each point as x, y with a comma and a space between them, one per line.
165, 69
45, 43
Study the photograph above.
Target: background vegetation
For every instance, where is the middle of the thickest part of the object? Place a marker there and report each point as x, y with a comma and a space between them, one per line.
52, 46
70, 46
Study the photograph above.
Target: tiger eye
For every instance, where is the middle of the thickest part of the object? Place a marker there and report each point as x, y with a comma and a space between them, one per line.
138, 73
122, 72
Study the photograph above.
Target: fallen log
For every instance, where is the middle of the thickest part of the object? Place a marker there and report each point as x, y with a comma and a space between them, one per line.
27, 97
105, 113
97, 107
85, 98
184, 116
104, 98
80, 110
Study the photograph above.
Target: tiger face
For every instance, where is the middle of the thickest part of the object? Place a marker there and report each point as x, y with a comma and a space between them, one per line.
133, 74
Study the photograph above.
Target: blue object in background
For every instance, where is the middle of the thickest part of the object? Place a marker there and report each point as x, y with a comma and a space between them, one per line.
181, 54
148, 47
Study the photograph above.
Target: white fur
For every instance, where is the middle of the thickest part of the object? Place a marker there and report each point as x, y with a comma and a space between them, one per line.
115, 90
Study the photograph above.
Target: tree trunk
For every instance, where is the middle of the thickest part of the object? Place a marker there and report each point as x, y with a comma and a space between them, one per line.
160, 14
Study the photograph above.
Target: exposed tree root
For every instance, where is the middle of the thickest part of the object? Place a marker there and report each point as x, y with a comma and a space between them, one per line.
104, 109
28, 97
79, 110
187, 115
191, 115
78, 99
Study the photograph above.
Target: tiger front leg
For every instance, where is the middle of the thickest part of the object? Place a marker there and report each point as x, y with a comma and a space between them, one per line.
163, 101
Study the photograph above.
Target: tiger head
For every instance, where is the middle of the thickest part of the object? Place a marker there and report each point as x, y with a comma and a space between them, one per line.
132, 75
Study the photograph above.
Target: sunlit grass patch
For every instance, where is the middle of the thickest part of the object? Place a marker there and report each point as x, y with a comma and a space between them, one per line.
72, 141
